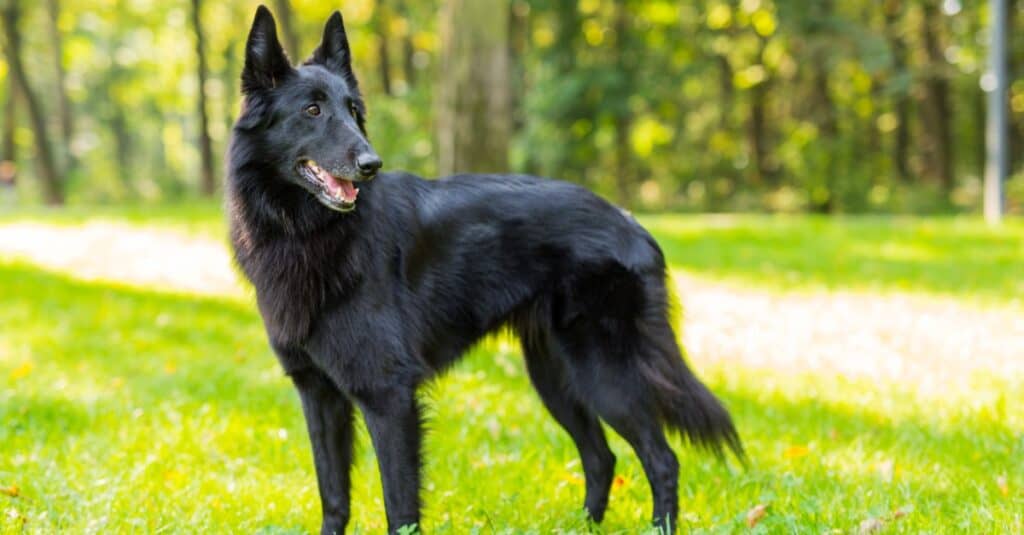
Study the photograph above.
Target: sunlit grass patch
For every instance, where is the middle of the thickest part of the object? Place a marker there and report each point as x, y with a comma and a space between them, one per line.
948, 256
125, 410
197, 217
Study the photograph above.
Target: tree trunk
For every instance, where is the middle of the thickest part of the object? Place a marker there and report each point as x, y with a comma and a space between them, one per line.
900, 100
725, 90
8, 149
937, 113
756, 133
63, 103
979, 103
229, 77
408, 51
473, 117
823, 108
383, 56
623, 117
1016, 68
122, 148
517, 39
757, 127
286, 22
829, 130
207, 184
53, 192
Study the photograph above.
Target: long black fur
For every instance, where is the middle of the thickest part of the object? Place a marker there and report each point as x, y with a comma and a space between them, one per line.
362, 307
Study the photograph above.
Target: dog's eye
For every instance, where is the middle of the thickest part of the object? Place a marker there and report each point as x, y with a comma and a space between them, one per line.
313, 110
353, 110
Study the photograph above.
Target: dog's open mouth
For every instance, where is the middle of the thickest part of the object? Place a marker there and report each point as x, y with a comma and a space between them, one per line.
335, 192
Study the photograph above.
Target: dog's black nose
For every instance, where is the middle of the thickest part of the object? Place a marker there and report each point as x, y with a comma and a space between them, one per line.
368, 163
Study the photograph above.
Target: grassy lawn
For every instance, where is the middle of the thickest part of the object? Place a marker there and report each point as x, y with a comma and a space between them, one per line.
949, 256
132, 410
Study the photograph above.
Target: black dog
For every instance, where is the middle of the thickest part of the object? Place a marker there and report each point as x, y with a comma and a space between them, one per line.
366, 292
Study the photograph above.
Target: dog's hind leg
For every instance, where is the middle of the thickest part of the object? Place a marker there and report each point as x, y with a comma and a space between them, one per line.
641, 428
547, 373
329, 421
610, 385
620, 400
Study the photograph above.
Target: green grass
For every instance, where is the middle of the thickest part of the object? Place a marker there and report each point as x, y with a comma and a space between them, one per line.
948, 256
196, 217
131, 410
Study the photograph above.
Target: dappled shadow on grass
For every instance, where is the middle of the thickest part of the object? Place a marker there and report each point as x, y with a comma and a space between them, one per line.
122, 409
944, 256
93, 340
62, 417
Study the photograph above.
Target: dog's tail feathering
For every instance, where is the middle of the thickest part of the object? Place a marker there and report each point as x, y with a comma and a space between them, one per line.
684, 403
621, 314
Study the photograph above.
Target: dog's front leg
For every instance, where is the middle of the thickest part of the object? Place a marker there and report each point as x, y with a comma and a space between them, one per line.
329, 421
393, 420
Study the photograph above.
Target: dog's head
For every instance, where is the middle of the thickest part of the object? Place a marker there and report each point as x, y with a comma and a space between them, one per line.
310, 117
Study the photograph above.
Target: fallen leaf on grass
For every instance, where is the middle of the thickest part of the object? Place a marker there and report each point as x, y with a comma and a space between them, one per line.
16, 516
21, 371
886, 469
173, 476
756, 514
572, 478
795, 452
1003, 484
871, 525
11, 491
902, 512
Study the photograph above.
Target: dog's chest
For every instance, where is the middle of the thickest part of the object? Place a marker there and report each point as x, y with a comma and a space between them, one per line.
295, 282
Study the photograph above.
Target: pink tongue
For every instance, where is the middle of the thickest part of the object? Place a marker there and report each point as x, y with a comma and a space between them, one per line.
339, 188
349, 190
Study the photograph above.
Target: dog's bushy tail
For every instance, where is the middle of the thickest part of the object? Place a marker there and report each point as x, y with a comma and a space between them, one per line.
633, 324
685, 405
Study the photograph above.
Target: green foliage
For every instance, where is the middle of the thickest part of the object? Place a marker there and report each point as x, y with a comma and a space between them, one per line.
779, 105
767, 104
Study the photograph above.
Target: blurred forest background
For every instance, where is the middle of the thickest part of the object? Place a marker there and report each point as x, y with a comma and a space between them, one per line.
777, 105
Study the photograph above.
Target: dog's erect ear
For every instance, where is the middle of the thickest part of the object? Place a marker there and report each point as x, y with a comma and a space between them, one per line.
266, 64
333, 52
